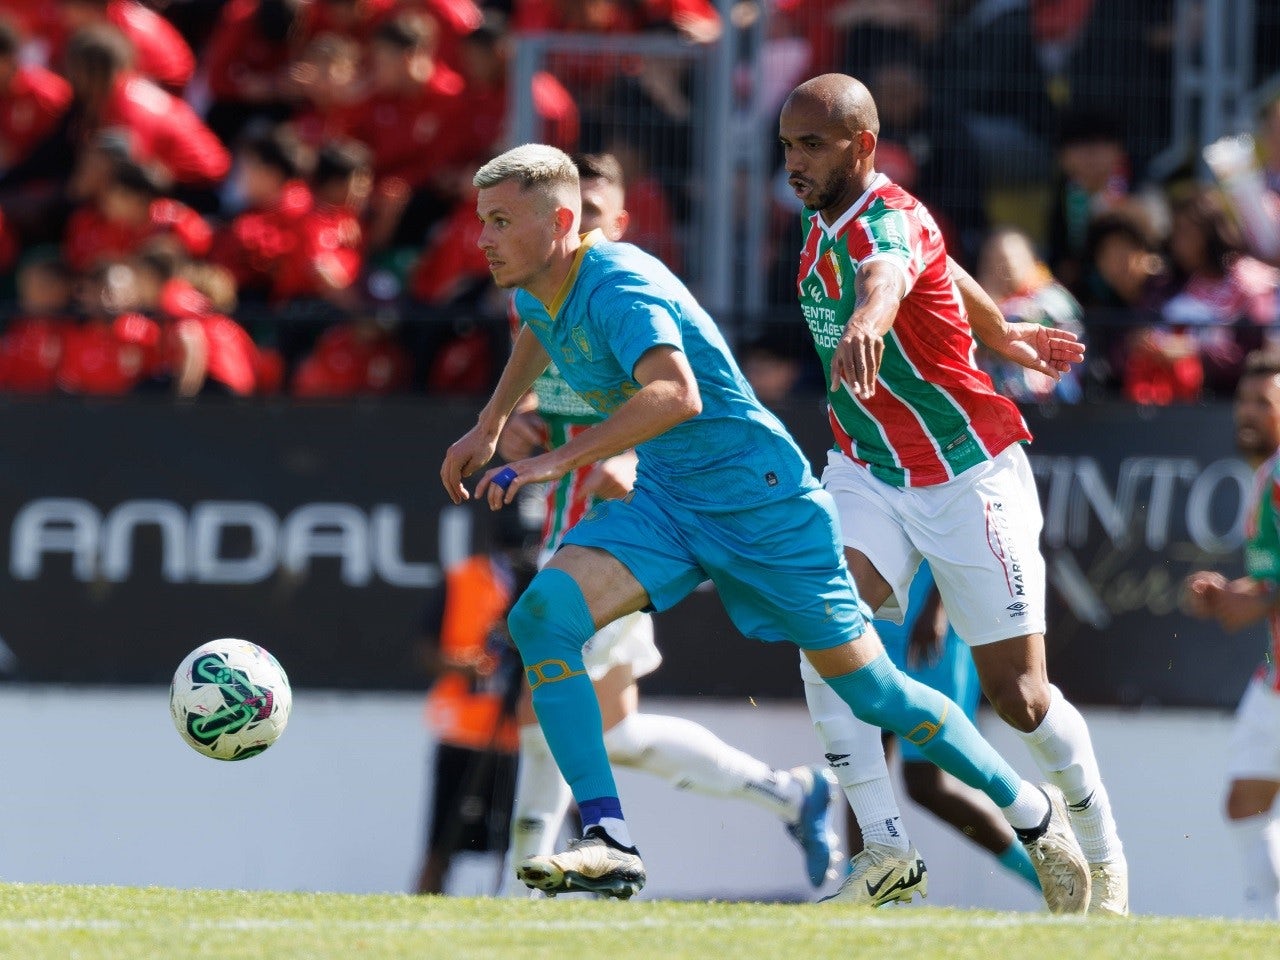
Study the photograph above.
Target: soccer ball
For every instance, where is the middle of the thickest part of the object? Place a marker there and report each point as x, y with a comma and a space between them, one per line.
230, 699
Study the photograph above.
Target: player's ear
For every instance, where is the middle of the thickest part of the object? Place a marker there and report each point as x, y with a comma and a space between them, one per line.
566, 221
621, 221
866, 141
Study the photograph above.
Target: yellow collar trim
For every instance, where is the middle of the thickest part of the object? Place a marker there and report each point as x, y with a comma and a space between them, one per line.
589, 240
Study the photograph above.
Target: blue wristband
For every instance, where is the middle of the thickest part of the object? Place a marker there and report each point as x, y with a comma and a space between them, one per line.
504, 477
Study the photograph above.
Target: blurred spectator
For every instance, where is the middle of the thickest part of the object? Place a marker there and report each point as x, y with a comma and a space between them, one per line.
1025, 290
204, 352
358, 357
160, 52
31, 347
1126, 284
130, 210
875, 31
988, 73
1227, 297
33, 100
452, 269
114, 347
358, 19
466, 648
652, 221
1092, 177
484, 58
409, 118
326, 78
928, 152
160, 129
283, 246
1126, 51
247, 62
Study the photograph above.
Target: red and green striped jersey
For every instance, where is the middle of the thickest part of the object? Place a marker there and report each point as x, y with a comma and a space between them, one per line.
1262, 553
566, 415
934, 413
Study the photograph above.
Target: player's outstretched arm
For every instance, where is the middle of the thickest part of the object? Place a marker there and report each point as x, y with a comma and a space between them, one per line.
1043, 349
476, 447
1233, 603
668, 395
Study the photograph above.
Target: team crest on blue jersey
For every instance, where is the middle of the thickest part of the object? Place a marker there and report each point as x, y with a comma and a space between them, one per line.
579, 338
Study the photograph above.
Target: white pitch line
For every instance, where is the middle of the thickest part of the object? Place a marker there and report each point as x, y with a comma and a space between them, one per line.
923, 920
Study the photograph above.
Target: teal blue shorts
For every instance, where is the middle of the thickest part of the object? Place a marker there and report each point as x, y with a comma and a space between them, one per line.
779, 567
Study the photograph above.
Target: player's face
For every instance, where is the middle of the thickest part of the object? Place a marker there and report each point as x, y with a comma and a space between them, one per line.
602, 208
819, 156
518, 233
1257, 415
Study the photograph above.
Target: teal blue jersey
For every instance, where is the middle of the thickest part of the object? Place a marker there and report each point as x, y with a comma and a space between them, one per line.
617, 304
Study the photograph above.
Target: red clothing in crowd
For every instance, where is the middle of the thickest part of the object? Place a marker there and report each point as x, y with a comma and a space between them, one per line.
109, 357
454, 18
9, 243
160, 52
352, 359
451, 261
294, 249
30, 352
357, 20
486, 116
237, 50
232, 358
164, 129
29, 110
652, 226
92, 237
414, 137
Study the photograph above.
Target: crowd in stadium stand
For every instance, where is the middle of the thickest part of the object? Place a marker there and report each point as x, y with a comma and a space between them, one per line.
251, 197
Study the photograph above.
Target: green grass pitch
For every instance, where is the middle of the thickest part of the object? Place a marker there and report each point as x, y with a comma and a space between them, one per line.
123, 923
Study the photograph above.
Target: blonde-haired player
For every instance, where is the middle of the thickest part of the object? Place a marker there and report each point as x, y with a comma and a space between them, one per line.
687, 754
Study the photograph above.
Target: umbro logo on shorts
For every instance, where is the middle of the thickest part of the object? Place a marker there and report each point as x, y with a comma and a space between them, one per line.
1018, 608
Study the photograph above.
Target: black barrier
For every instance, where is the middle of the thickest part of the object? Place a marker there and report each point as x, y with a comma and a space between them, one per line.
136, 530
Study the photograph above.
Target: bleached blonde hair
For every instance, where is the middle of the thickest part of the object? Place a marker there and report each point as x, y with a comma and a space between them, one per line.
532, 164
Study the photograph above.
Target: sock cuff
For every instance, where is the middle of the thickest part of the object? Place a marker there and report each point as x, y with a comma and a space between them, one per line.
1054, 718
598, 808
878, 669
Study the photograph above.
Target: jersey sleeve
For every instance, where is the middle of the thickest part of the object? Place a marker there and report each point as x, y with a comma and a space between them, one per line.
636, 318
1262, 550
888, 233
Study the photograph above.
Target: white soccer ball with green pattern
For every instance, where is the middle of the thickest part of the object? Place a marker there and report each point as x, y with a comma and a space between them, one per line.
230, 699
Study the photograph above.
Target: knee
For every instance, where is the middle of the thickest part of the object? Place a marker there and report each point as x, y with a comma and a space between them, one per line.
1244, 800
1020, 701
550, 617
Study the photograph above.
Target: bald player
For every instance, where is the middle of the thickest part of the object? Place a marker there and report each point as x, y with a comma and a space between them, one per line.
928, 461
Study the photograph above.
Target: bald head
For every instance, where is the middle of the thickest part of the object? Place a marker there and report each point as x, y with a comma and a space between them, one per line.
844, 99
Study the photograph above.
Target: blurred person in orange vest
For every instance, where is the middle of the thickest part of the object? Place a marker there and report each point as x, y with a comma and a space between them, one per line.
471, 706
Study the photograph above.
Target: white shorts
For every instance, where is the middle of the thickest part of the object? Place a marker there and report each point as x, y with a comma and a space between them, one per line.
1253, 752
980, 533
627, 640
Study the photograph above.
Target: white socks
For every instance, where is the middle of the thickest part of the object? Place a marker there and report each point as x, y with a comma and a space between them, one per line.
1064, 753
1258, 840
542, 799
691, 757
855, 753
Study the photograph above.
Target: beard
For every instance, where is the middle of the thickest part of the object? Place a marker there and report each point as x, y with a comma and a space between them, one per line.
828, 193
